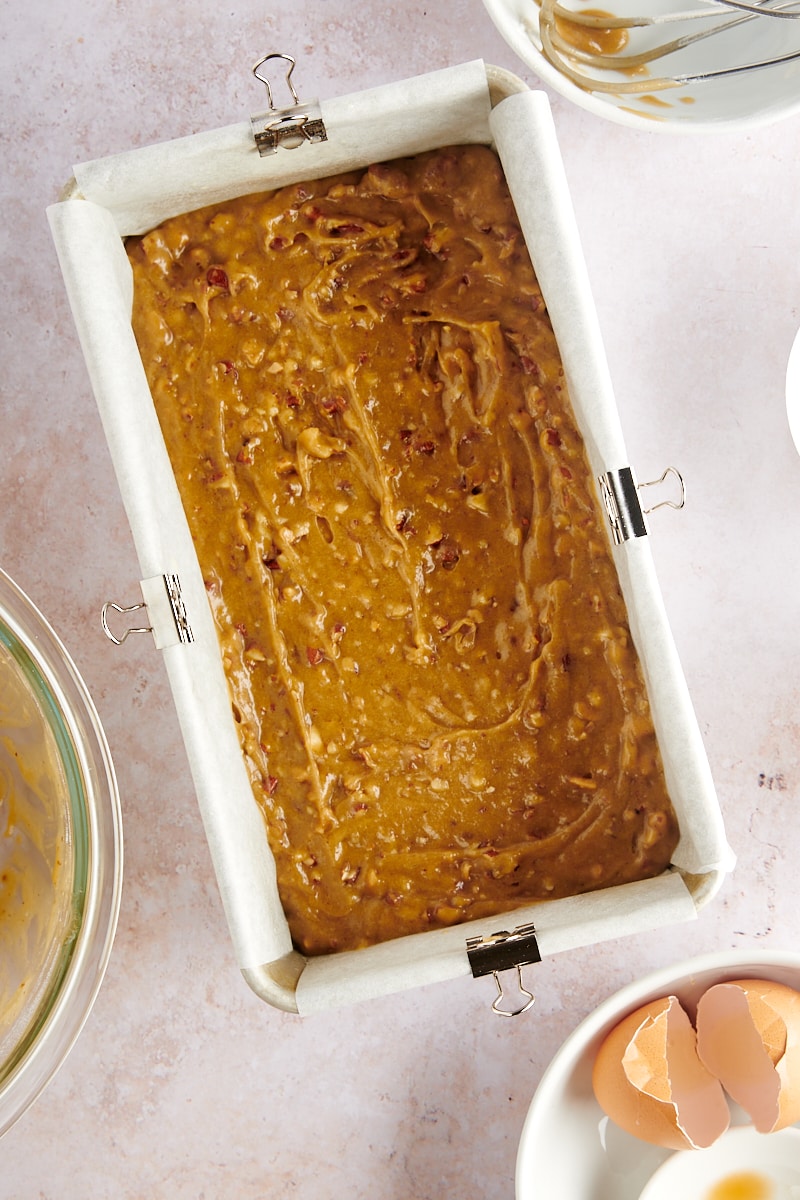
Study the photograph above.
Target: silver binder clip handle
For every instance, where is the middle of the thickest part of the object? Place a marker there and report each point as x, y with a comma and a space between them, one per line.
287, 58
111, 606
673, 474
526, 997
288, 127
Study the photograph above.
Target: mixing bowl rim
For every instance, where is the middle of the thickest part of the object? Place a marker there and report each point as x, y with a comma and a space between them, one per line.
57, 1029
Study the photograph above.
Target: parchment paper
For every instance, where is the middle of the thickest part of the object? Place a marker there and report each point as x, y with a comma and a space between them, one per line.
129, 193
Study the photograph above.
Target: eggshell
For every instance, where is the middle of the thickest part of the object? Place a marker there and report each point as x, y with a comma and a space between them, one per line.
649, 1080
748, 1035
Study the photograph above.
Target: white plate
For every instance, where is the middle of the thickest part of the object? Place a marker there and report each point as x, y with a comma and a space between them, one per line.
568, 1147
793, 392
732, 102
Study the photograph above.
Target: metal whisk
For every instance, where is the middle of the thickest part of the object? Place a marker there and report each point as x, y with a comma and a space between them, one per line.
585, 46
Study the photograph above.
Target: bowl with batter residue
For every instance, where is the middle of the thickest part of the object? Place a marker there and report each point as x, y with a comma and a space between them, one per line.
621, 74
60, 852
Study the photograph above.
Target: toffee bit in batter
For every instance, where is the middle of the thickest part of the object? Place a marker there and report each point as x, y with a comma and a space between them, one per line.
438, 697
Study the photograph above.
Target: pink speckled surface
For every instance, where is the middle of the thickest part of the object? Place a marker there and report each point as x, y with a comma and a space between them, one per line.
183, 1084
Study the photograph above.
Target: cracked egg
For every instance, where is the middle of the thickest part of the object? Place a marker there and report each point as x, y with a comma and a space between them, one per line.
668, 1082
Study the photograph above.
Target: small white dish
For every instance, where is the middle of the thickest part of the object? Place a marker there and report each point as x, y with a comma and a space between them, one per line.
793, 392
742, 1165
727, 103
568, 1147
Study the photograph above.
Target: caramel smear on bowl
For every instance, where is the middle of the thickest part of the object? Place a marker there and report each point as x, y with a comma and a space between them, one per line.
430, 665
591, 39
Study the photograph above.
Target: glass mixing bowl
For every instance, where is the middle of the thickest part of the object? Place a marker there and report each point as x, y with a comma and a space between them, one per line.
60, 853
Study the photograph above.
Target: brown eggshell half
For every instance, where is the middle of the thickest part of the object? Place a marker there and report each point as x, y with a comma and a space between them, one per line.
648, 1079
748, 1035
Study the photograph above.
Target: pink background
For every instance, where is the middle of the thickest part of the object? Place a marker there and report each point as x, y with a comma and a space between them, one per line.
183, 1084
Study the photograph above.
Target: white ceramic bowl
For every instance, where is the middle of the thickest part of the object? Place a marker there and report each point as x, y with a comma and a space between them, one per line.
568, 1146
60, 853
731, 102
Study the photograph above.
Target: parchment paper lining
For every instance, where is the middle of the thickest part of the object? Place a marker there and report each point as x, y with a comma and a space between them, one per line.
129, 193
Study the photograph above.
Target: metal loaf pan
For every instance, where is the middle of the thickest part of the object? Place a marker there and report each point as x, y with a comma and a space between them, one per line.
127, 194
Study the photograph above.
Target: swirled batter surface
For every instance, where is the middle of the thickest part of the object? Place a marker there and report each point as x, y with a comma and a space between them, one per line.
430, 666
